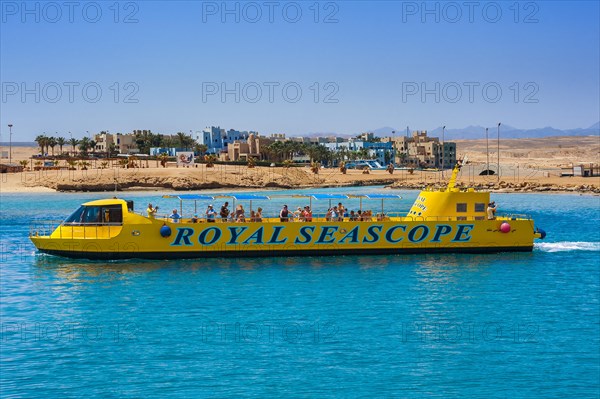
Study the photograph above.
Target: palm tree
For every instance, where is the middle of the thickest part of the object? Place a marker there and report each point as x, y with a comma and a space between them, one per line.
145, 139
201, 148
73, 143
84, 145
61, 141
163, 159
41, 140
24, 163
277, 149
184, 140
210, 160
167, 141
51, 143
318, 153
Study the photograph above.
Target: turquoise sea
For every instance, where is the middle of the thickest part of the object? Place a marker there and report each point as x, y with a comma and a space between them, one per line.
501, 325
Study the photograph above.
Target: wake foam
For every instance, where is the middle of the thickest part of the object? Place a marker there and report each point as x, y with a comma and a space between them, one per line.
567, 246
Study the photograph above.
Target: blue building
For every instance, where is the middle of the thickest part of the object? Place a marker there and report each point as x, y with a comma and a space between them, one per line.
384, 153
217, 139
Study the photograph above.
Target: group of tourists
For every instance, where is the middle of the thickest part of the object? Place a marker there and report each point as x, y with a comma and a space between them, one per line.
238, 216
300, 214
335, 213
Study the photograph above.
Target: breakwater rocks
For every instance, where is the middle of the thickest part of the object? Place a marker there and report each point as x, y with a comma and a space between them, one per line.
178, 183
276, 178
507, 187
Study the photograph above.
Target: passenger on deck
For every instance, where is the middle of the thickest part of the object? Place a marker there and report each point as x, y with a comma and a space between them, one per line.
328, 214
298, 215
239, 214
334, 214
352, 216
151, 211
341, 211
307, 214
284, 214
175, 216
359, 215
252, 216
491, 211
258, 215
194, 219
211, 214
224, 211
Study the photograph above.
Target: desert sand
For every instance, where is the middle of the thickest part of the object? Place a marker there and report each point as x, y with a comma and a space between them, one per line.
525, 165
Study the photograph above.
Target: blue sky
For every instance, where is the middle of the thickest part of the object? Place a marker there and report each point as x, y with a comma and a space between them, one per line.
359, 66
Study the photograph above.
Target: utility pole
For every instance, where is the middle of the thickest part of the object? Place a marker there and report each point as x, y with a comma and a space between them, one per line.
407, 146
487, 151
443, 130
10, 143
498, 151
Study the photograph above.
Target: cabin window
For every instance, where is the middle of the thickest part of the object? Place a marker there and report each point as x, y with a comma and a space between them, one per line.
461, 207
98, 215
75, 216
91, 214
461, 218
479, 207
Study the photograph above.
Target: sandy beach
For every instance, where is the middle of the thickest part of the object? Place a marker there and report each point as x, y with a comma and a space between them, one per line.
525, 165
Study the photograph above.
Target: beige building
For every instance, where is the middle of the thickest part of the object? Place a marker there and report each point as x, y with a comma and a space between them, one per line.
239, 151
123, 143
423, 151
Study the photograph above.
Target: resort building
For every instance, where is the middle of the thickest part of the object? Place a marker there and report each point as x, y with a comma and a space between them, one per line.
123, 143
242, 151
217, 140
383, 152
423, 151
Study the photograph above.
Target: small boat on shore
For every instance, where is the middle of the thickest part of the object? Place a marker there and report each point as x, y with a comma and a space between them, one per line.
448, 220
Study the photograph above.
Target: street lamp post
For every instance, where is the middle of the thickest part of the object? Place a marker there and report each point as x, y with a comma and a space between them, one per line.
487, 151
443, 131
499, 151
407, 146
10, 143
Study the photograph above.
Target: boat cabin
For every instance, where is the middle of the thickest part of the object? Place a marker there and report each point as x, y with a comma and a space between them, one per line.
450, 205
101, 212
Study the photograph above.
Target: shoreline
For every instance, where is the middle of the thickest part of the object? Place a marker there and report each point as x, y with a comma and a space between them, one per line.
527, 165
146, 181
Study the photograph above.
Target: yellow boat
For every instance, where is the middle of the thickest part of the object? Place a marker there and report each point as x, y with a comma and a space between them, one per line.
448, 220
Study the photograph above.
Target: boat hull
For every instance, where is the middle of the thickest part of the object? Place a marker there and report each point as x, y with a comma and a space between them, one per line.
268, 239
281, 253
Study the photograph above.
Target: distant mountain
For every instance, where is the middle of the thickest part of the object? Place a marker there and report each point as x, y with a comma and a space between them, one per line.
322, 134
506, 131
384, 131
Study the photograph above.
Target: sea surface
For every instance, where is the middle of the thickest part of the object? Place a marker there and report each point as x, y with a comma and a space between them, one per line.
500, 325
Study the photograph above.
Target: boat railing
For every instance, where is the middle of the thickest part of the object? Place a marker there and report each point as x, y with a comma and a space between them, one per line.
45, 228
514, 216
375, 217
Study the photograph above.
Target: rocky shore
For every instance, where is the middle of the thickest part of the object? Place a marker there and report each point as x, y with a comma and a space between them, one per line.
508, 187
237, 178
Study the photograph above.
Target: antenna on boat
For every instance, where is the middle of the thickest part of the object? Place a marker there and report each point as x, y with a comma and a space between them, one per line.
452, 181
